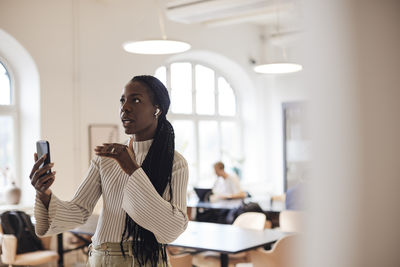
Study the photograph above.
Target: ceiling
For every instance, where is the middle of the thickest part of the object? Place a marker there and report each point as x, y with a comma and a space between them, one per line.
285, 13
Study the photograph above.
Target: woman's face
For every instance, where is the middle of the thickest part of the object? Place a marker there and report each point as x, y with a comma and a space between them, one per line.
137, 111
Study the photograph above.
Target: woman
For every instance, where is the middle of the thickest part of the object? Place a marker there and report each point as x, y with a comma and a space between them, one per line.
143, 184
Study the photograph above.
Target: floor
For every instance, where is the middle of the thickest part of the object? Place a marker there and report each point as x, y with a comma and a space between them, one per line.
207, 260
77, 259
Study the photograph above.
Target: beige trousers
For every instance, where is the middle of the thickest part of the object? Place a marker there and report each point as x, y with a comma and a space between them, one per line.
110, 255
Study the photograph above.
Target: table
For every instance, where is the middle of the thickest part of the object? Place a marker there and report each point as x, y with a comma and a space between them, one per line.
222, 204
86, 229
270, 209
224, 238
265, 203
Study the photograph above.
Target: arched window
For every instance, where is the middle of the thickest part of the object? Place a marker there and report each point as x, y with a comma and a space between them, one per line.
8, 116
204, 113
19, 112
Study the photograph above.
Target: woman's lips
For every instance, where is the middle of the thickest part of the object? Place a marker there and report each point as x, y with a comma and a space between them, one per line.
127, 123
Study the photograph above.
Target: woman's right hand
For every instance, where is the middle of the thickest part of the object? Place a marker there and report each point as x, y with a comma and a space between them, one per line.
42, 183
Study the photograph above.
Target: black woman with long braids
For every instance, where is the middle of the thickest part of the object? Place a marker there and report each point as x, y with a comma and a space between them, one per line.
143, 183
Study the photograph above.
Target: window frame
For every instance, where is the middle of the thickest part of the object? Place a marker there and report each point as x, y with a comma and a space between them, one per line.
12, 110
196, 118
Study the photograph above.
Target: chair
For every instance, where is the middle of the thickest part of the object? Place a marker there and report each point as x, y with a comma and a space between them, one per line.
251, 220
9, 253
291, 221
268, 224
180, 260
280, 198
248, 220
279, 256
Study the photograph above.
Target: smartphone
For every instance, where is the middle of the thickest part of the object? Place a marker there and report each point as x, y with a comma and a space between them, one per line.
43, 147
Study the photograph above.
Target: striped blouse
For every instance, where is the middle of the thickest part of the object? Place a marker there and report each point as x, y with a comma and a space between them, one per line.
121, 193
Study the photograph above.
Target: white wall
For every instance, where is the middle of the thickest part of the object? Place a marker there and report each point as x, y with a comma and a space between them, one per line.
76, 46
45, 32
278, 89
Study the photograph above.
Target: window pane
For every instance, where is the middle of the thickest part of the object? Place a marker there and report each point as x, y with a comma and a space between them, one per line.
205, 90
181, 88
206, 146
161, 74
230, 144
5, 86
6, 142
226, 98
181, 102
185, 144
208, 151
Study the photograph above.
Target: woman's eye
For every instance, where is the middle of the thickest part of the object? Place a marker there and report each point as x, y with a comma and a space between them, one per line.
121, 101
136, 100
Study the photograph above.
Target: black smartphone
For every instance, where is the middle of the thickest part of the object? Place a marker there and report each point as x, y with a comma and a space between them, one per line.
43, 147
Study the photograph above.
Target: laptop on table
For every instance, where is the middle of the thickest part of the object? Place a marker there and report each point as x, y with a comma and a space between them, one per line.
203, 193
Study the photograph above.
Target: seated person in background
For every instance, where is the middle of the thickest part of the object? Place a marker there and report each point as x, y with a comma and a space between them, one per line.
295, 195
227, 186
294, 199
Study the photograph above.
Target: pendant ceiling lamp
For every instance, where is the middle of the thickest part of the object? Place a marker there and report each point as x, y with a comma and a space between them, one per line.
281, 66
156, 46
276, 68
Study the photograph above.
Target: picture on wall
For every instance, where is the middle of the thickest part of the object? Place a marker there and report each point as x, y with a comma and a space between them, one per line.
101, 133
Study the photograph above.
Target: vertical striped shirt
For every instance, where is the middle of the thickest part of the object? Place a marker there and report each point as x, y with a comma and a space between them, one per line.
134, 195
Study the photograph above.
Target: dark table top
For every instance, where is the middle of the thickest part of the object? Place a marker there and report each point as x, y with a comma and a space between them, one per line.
224, 238
222, 204
264, 203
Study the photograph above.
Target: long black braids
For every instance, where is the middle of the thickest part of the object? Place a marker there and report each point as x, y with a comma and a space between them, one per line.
158, 167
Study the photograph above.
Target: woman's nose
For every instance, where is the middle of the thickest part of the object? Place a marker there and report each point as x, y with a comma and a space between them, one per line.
124, 107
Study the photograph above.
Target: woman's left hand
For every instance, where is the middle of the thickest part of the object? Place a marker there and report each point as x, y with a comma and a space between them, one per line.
126, 159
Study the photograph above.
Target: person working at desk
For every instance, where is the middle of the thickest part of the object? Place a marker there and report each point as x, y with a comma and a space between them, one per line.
227, 186
143, 183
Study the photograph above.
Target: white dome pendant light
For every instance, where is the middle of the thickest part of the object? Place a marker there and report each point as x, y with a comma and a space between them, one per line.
277, 67
156, 46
